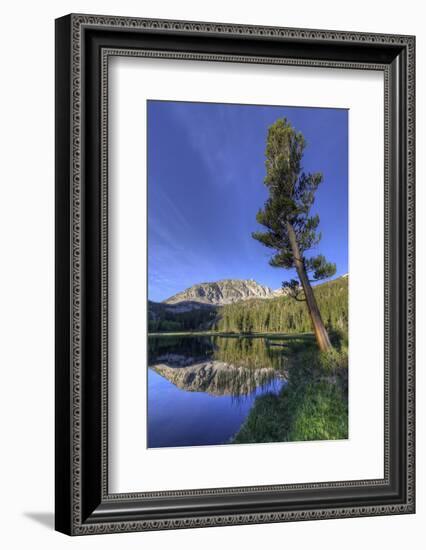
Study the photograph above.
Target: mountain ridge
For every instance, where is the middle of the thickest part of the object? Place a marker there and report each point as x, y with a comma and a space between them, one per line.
276, 313
223, 292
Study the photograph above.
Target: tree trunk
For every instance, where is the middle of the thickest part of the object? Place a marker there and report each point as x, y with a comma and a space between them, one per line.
320, 331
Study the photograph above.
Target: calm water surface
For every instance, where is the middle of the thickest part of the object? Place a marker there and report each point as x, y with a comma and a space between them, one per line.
201, 389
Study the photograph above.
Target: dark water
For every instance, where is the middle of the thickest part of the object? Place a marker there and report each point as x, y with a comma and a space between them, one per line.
201, 389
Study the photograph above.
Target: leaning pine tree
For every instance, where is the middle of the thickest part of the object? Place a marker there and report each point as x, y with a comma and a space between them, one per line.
290, 230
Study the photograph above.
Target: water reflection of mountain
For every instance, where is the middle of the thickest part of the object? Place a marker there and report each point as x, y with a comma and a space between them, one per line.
213, 389
218, 365
217, 377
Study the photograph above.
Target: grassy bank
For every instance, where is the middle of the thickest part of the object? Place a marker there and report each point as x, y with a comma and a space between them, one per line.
312, 406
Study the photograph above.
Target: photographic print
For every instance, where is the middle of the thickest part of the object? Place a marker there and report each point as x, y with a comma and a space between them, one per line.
247, 274
217, 278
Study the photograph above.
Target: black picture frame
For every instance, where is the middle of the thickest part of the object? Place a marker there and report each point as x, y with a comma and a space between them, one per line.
83, 45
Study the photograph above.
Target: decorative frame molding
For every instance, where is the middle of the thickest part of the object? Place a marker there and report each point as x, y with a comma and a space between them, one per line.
84, 43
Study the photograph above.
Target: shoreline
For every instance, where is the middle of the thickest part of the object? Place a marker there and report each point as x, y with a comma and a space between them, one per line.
236, 334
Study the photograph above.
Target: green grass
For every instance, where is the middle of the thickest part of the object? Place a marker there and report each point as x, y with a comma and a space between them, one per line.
312, 406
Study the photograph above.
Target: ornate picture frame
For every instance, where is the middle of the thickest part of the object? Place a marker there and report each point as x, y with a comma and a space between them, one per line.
84, 45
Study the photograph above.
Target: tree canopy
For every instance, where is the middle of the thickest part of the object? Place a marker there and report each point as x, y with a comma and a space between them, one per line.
291, 196
291, 230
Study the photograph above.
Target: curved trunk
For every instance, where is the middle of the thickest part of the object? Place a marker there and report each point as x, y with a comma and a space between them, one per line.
319, 329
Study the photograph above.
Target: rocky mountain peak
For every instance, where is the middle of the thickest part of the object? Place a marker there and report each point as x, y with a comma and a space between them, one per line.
226, 291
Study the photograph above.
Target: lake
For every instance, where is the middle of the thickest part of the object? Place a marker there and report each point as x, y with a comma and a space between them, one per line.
201, 388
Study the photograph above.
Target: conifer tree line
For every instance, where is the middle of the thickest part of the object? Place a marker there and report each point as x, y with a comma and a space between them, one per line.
287, 315
168, 321
282, 314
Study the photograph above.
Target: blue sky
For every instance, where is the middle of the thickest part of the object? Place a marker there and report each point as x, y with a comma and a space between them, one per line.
205, 186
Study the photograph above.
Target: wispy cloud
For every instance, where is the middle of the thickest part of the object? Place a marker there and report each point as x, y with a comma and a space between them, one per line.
174, 211
215, 144
206, 187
